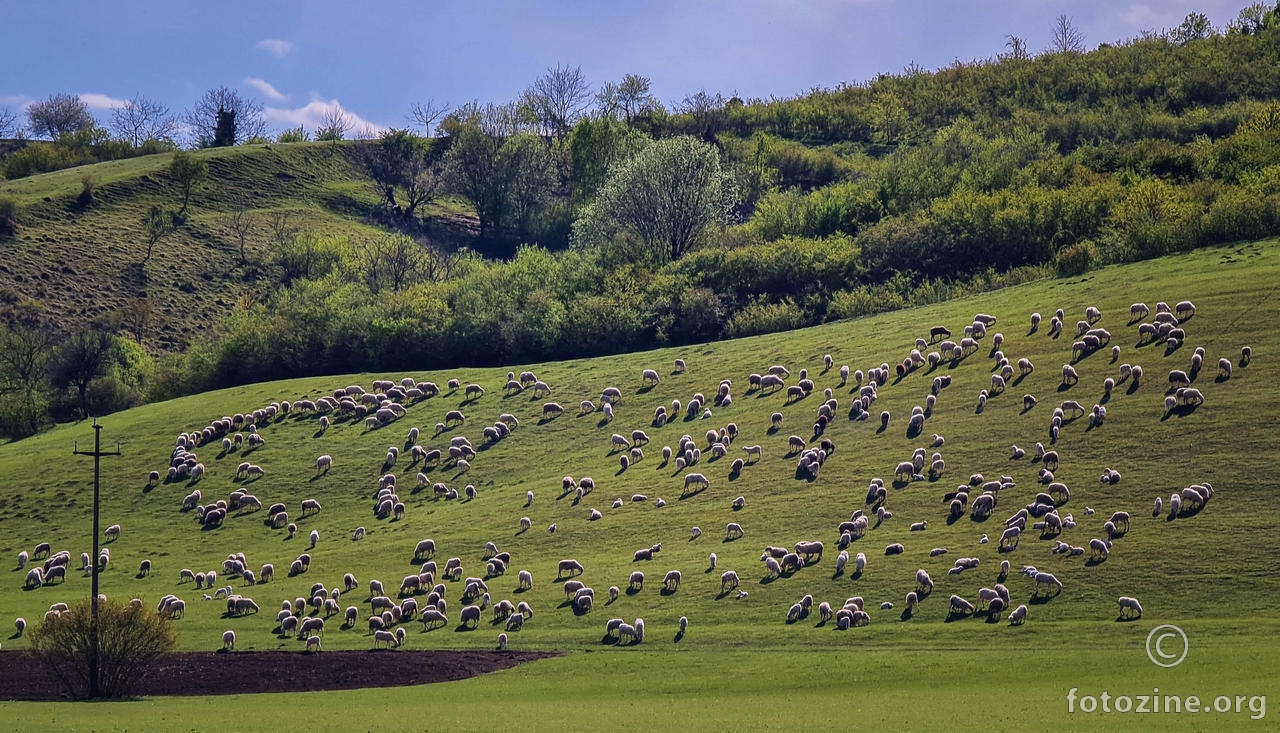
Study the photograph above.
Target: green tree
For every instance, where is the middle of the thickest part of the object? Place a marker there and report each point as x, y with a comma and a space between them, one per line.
82, 358
156, 224
666, 198
401, 162
505, 177
130, 639
187, 170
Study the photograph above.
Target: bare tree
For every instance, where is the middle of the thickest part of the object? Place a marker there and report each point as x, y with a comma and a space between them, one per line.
59, 115
1017, 49
1067, 38
334, 125
137, 317
142, 119
9, 126
439, 264
558, 99
238, 221
426, 114
283, 230
202, 118
26, 346
707, 110
393, 261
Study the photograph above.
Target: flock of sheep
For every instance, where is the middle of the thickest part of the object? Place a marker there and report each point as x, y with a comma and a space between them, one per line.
427, 595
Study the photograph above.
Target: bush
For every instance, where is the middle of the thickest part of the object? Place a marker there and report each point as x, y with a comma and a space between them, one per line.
130, 639
87, 188
1075, 259
8, 215
760, 317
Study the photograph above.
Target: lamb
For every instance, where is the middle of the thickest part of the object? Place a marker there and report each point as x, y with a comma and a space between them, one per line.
1129, 607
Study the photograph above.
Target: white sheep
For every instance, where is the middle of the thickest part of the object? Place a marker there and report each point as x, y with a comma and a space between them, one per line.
229, 640
1129, 607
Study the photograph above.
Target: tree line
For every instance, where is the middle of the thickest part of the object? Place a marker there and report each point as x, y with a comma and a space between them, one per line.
606, 222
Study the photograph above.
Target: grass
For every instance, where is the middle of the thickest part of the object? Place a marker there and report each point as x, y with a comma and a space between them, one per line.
741, 664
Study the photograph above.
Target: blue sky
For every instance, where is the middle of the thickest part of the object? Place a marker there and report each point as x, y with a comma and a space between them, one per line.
301, 59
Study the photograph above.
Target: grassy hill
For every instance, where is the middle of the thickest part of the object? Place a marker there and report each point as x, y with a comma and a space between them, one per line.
82, 261
1211, 573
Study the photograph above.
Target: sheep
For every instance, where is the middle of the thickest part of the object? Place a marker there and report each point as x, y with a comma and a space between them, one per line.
733, 530
1018, 616
1129, 606
310, 506
1047, 579
924, 584
571, 567
960, 605
1069, 375
728, 580
1184, 310
738, 503
859, 563
313, 643
112, 532
696, 480
894, 549
671, 581
775, 420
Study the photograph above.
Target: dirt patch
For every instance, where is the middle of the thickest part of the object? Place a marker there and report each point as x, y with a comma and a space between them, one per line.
24, 677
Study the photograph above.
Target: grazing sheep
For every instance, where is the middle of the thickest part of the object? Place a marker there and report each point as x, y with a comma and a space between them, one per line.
728, 581
711, 559
859, 563
733, 530
1129, 607
570, 567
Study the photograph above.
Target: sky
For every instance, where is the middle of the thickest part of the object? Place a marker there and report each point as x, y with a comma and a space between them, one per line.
303, 59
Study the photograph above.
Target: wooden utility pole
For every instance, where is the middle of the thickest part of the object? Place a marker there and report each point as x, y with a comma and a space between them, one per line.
97, 454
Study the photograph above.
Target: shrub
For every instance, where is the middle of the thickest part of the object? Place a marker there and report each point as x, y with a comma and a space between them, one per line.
760, 317
8, 215
130, 639
1075, 259
87, 188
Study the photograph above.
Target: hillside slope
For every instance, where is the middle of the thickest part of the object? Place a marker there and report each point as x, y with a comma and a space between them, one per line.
1223, 441
83, 262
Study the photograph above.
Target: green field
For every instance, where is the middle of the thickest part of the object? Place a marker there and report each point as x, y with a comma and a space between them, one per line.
740, 665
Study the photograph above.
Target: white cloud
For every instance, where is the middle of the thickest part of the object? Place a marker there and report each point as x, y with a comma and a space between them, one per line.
264, 86
276, 47
102, 101
311, 116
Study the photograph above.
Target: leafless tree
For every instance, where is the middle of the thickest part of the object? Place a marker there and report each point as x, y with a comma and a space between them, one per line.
558, 99
707, 110
283, 230
58, 115
1017, 49
334, 125
26, 347
439, 264
393, 261
1067, 38
426, 114
9, 126
137, 317
142, 119
238, 221
202, 118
